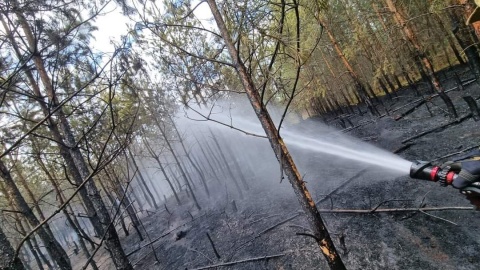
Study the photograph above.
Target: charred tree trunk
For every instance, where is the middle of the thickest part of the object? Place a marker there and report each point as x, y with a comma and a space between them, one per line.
232, 158
356, 79
143, 183
125, 201
174, 155
318, 228
466, 43
187, 154
72, 155
8, 261
56, 251
227, 167
71, 220
162, 169
410, 35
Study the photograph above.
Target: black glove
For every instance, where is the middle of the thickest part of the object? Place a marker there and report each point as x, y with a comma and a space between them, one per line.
468, 173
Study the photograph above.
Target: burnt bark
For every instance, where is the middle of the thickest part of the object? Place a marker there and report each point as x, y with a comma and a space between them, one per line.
162, 169
8, 261
281, 152
420, 54
56, 251
72, 155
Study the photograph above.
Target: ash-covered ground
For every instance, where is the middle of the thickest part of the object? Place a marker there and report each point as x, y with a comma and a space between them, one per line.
259, 230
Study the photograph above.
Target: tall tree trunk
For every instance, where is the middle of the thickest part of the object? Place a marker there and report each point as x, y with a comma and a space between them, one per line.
207, 160
234, 158
180, 168
419, 53
57, 253
466, 43
103, 224
162, 169
356, 79
60, 197
32, 198
125, 201
7, 253
187, 154
318, 228
227, 167
143, 183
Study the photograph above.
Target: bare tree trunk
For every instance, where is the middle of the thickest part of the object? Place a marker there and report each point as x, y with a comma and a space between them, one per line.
182, 172
32, 198
206, 158
57, 253
71, 220
227, 167
466, 43
318, 228
126, 202
7, 253
150, 180
162, 169
233, 158
72, 155
356, 79
427, 64
187, 154
143, 183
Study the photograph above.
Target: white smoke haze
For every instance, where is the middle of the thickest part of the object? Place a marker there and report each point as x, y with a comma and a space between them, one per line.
228, 156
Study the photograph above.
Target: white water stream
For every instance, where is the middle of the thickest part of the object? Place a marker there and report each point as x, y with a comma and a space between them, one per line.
334, 143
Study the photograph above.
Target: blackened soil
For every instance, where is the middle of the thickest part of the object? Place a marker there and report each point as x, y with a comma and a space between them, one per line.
267, 223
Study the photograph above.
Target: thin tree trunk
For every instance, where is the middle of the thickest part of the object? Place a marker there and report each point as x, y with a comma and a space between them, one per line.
187, 154
227, 167
126, 202
182, 172
318, 228
32, 198
356, 79
143, 183
71, 220
410, 35
464, 40
57, 253
162, 169
7, 253
72, 155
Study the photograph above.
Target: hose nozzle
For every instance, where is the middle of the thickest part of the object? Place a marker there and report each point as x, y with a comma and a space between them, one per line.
424, 170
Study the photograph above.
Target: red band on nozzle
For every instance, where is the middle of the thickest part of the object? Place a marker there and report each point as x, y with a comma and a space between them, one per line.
449, 177
433, 174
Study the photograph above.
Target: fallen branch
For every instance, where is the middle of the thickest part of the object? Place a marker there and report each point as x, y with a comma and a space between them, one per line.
240, 261
213, 246
359, 125
393, 210
454, 122
403, 148
267, 230
411, 110
341, 186
431, 96
457, 153
161, 236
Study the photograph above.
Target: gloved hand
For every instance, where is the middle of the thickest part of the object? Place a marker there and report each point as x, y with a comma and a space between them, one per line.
468, 173
467, 180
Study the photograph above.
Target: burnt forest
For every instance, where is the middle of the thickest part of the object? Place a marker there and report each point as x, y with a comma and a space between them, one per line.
239, 134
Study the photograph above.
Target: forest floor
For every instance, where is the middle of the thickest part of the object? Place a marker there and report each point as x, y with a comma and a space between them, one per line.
260, 231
